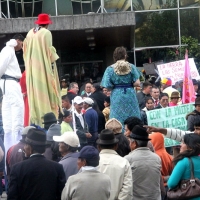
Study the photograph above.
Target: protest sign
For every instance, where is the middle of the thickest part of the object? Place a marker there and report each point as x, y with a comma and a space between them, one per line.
170, 117
175, 70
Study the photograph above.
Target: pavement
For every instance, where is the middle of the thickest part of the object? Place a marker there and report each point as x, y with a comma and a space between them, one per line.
4, 196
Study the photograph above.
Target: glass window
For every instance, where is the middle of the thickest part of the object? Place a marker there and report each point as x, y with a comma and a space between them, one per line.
187, 3
189, 19
156, 28
153, 4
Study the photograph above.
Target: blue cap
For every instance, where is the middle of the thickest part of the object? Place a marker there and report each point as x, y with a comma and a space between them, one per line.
88, 153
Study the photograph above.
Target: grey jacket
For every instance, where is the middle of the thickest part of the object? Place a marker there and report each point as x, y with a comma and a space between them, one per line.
145, 166
88, 185
69, 164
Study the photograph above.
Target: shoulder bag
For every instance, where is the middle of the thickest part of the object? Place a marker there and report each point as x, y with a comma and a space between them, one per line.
186, 189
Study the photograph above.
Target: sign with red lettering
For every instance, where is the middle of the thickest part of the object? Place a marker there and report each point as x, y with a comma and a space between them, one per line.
175, 70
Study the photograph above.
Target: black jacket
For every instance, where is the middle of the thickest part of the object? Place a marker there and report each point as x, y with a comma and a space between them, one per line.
81, 131
141, 99
191, 118
99, 97
36, 178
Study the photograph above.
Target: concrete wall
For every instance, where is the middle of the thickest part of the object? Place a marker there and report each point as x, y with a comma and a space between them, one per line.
73, 22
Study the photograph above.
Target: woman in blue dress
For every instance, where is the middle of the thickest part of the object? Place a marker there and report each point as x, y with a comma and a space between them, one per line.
121, 77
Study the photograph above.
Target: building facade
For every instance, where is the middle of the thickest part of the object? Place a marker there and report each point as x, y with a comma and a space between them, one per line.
85, 34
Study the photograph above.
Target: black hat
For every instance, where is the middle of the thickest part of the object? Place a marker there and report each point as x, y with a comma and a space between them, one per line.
49, 118
107, 137
139, 133
35, 137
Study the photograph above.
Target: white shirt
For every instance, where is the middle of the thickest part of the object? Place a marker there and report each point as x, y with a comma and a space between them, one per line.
9, 64
80, 116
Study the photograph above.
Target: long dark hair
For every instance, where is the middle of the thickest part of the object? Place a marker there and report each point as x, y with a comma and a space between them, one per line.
192, 141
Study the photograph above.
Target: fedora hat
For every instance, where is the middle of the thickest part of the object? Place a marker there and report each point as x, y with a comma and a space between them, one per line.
197, 101
175, 95
107, 137
49, 118
43, 19
114, 125
139, 133
35, 137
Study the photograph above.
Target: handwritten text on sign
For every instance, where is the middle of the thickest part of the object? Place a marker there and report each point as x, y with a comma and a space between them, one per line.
170, 117
175, 70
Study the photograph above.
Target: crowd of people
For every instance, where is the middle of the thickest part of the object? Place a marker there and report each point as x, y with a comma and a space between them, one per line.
96, 144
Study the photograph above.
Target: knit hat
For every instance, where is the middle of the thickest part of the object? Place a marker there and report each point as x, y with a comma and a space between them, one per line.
114, 125
166, 81
54, 130
26, 129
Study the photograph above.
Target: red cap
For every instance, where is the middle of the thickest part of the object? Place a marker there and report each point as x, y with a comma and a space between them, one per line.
43, 19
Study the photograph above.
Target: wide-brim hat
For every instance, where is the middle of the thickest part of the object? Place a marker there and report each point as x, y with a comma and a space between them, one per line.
175, 95
43, 19
35, 137
114, 125
107, 137
49, 118
139, 133
197, 101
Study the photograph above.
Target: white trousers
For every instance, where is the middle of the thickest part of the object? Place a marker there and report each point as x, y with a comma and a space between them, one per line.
12, 112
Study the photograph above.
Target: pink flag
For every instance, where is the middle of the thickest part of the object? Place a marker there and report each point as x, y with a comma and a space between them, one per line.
188, 88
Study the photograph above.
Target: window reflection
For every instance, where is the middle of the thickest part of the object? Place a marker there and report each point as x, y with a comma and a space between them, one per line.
189, 19
184, 3
156, 28
153, 4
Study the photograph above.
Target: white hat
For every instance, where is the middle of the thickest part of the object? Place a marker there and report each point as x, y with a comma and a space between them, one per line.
26, 129
69, 138
88, 101
78, 100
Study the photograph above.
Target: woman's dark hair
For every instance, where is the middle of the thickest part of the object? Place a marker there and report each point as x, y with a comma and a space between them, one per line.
107, 99
132, 121
147, 99
192, 141
123, 145
119, 54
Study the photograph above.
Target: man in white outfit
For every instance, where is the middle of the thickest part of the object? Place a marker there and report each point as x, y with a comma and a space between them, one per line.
12, 104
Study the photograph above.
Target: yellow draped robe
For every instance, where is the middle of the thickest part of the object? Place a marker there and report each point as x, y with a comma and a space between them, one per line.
43, 88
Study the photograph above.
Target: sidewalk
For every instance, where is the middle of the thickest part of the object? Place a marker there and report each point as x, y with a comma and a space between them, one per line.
4, 196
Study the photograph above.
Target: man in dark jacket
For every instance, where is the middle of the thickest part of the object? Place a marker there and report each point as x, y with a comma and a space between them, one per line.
193, 116
91, 117
146, 89
98, 95
68, 145
81, 125
16, 153
36, 177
